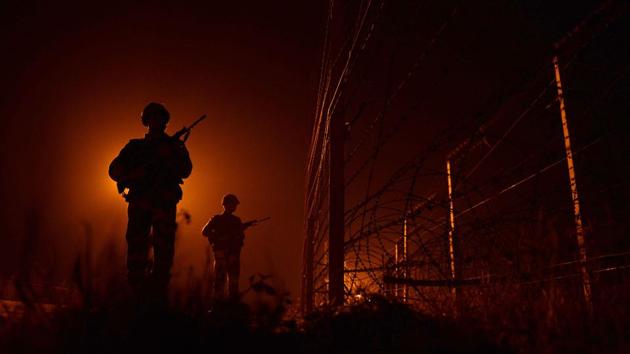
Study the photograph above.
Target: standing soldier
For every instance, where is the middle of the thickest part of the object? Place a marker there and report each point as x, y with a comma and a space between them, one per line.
151, 169
225, 232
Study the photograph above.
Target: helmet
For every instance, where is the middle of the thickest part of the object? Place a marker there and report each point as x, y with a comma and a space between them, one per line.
155, 110
230, 199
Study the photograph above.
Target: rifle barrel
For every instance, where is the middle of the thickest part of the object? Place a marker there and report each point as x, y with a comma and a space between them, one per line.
197, 121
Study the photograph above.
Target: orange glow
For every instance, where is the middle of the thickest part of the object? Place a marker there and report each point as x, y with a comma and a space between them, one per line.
76, 98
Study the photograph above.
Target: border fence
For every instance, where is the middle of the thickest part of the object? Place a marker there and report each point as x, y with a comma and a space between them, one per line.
510, 200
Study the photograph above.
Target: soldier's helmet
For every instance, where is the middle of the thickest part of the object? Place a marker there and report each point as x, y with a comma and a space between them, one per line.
230, 199
155, 111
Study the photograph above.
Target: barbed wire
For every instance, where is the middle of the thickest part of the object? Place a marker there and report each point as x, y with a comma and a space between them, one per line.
403, 207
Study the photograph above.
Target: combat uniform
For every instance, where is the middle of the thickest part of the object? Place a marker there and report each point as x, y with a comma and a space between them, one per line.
225, 234
153, 169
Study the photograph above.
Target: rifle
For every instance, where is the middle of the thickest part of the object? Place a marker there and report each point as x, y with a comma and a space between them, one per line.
254, 222
185, 131
212, 237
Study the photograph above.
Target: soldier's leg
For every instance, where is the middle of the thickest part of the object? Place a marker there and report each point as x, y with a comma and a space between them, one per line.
164, 227
138, 228
234, 271
220, 274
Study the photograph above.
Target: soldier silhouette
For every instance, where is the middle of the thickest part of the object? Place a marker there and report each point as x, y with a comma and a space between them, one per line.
225, 232
152, 169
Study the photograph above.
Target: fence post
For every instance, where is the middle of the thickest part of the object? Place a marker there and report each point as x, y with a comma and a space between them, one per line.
451, 238
579, 230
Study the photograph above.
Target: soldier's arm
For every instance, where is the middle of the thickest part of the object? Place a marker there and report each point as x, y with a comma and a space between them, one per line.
124, 166
119, 167
178, 160
185, 164
241, 231
208, 230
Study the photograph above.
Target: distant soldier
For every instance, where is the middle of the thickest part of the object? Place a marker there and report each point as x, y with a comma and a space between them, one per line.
152, 170
225, 232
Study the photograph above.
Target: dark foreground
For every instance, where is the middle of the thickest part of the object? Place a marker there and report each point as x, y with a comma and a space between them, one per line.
373, 326
110, 321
